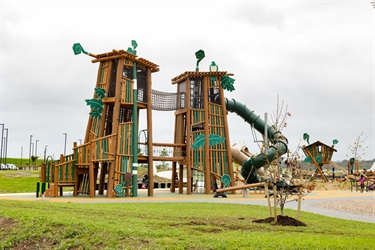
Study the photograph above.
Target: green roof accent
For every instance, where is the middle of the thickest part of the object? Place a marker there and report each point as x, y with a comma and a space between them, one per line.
199, 55
306, 137
134, 44
78, 49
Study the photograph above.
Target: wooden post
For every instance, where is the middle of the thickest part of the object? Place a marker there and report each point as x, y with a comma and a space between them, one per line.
207, 167
92, 179
150, 136
115, 123
188, 143
268, 198
227, 137
173, 181
299, 194
274, 196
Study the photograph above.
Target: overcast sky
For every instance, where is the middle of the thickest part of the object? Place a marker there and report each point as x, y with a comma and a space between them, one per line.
317, 56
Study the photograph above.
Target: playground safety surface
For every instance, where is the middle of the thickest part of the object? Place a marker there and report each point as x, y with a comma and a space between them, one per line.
164, 195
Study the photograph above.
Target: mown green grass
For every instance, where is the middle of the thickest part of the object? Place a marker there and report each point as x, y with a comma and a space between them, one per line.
24, 161
18, 181
51, 225
47, 225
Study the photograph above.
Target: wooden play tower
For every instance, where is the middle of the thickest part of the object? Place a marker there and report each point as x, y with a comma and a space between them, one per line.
109, 157
200, 121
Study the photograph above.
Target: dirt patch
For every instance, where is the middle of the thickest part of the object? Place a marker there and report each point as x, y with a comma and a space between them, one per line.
282, 221
7, 224
42, 243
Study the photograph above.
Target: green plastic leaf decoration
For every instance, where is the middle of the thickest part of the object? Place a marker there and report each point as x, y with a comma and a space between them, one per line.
213, 140
198, 142
100, 92
335, 142
214, 67
306, 137
96, 104
78, 49
118, 190
95, 114
225, 179
307, 159
199, 55
318, 158
227, 83
134, 44
130, 51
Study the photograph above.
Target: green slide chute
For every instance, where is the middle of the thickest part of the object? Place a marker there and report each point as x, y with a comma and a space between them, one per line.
279, 142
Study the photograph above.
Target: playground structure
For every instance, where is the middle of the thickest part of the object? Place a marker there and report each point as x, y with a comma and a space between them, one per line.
319, 154
108, 159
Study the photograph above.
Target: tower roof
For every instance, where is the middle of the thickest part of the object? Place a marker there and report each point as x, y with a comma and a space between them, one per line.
122, 53
188, 74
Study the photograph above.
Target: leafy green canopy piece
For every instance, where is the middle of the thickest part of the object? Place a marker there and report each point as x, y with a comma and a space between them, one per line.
78, 49
132, 50
213, 140
100, 92
96, 105
226, 180
199, 55
306, 137
227, 83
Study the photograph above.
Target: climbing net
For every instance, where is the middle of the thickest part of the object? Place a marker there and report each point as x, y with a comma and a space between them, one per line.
164, 101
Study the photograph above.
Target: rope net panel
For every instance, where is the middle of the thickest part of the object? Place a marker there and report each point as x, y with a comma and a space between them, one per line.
164, 101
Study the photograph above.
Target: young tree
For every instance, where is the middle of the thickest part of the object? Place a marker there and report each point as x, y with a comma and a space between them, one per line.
284, 176
163, 165
357, 148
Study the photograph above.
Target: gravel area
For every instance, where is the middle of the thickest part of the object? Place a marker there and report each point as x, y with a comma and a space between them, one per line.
363, 206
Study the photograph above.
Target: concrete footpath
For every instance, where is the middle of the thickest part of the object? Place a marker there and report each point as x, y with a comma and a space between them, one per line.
164, 195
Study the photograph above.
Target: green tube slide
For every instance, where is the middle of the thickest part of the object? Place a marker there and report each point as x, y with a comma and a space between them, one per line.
279, 142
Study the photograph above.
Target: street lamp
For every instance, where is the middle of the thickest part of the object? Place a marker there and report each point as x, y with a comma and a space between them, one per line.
31, 137
66, 135
6, 147
1, 143
36, 148
45, 152
21, 155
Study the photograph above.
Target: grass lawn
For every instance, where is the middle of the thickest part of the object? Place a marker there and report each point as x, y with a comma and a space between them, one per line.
17, 181
49, 225
43, 224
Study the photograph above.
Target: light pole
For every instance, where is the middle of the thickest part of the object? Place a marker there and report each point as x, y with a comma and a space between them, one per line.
31, 137
3, 152
66, 135
6, 147
36, 148
45, 152
1, 144
21, 155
